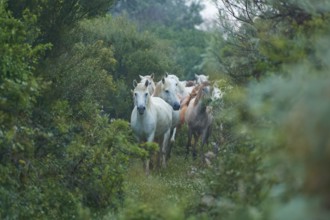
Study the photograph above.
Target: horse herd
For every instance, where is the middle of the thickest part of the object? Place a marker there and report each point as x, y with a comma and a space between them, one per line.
160, 108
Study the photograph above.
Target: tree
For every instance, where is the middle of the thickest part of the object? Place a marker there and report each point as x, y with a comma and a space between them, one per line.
261, 36
19, 87
175, 23
169, 13
57, 16
130, 53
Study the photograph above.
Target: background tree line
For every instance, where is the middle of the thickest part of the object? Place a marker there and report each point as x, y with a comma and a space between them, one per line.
66, 68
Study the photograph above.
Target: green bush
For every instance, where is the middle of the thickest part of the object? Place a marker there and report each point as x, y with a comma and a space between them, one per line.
60, 157
273, 160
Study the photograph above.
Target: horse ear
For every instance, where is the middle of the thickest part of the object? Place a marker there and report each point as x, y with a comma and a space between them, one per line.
147, 83
132, 91
141, 77
163, 80
207, 77
152, 75
196, 75
166, 74
135, 83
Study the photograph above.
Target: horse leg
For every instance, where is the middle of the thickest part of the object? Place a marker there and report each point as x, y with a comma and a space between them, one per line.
205, 137
163, 149
146, 166
147, 162
169, 147
173, 134
188, 142
194, 153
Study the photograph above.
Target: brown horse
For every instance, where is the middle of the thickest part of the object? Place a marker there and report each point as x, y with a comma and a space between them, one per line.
185, 102
199, 118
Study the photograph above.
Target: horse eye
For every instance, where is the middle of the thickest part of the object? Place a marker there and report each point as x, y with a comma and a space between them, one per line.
176, 84
146, 94
167, 91
135, 94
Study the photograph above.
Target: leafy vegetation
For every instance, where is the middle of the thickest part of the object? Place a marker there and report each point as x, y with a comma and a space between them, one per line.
264, 170
66, 147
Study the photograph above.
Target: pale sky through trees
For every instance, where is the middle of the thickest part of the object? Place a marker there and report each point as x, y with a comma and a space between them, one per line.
209, 11
209, 14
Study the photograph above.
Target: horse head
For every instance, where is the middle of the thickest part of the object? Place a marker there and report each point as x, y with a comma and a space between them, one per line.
201, 78
204, 94
180, 85
151, 83
167, 90
141, 96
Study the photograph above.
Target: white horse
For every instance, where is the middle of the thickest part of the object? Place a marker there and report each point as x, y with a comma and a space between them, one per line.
150, 79
166, 89
151, 118
181, 90
201, 78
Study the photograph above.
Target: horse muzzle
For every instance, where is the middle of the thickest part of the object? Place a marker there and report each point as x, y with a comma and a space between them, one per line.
176, 106
141, 109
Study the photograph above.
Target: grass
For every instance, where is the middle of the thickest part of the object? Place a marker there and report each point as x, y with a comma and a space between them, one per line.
164, 194
170, 193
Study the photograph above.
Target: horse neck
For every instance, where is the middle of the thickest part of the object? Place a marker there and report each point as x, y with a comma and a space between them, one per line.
157, 89
186, 100
199, 105
182, 89
197, 92
149, 103
199, 100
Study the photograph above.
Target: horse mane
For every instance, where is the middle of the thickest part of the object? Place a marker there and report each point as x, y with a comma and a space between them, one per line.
190, 83
157, 88
186, 101
200, 91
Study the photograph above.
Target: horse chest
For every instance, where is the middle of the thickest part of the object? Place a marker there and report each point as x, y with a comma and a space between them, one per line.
200, 121
144, 127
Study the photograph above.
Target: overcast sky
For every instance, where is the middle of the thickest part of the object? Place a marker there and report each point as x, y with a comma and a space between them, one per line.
209, 14
210, 10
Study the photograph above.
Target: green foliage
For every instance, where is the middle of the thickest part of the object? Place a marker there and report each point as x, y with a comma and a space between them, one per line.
64, 153
83, 73
265, 37
129, 53
190, 45
174, 23
214, 60
84, 175
237, 181
294, 129
273, 156
169, 13
19, 88
57, 16
60, 156
136, 52
168, 194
